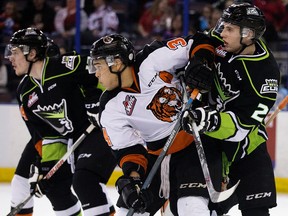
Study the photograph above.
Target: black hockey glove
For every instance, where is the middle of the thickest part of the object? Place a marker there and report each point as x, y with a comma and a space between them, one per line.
205, 119
38, 185
199, 74
130, 190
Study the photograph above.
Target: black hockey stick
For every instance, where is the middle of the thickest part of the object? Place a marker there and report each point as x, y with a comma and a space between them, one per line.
54, 169
164, 151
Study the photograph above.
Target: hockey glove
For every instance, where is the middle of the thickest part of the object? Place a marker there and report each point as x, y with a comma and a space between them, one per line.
93, 118
38, 185
130, 190
205, 119
199, 74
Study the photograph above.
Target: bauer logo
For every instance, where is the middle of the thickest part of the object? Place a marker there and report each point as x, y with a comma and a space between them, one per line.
271, 86
258, 196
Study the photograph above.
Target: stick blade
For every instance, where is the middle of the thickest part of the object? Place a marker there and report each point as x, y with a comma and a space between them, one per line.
217, 197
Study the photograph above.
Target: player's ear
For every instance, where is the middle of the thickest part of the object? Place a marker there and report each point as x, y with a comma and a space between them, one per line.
118, 63
32, 54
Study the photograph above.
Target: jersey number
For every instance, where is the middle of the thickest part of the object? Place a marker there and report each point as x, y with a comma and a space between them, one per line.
261, 113
172, 44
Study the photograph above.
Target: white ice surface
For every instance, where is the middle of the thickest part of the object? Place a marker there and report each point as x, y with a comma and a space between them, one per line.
43, 207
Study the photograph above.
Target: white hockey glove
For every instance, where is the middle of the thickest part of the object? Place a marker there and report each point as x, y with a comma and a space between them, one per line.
38, 185
205, 119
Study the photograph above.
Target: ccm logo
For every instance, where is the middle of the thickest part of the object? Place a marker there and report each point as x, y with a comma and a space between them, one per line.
258, 196
193, 185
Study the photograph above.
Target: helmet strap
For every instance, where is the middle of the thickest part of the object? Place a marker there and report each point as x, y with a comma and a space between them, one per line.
118, 73
31, 63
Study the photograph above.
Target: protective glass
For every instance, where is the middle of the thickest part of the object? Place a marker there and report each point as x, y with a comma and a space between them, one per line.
219, 26
11, 48
93, 67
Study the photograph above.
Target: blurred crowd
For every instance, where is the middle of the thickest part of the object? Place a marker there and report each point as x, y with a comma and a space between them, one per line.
142, 21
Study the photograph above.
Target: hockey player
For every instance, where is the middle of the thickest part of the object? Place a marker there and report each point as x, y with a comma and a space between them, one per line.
54, 96
244, 90
140, 106
63, 199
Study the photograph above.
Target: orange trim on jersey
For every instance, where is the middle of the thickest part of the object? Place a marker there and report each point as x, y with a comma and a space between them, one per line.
135, 158
166, 76
182, 140
106, 136
203, 46
23, 114
38, 147
135, 81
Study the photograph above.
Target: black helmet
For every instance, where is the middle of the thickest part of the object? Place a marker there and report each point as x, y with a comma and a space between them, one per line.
113, 45
30, 38
245, 15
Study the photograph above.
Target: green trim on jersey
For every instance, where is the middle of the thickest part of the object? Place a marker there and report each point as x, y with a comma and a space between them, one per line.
254, 140
53, 151
227, 128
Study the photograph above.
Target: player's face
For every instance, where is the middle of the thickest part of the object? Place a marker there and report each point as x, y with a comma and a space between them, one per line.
18, 61
231, 37
106, 78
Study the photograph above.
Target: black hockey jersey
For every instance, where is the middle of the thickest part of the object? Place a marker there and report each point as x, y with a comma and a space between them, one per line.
54, 106
245, 89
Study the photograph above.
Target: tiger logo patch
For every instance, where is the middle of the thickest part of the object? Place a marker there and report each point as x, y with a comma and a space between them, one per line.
166, 104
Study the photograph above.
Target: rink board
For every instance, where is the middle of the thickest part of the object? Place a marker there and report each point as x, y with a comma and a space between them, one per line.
14, 135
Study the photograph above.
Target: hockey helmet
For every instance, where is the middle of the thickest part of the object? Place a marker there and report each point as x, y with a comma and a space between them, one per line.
26, 39
246, 16
110, 47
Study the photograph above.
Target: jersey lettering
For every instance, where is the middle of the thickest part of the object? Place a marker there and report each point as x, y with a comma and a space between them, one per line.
271, 86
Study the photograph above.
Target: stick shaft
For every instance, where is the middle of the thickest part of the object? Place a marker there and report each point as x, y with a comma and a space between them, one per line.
281, 106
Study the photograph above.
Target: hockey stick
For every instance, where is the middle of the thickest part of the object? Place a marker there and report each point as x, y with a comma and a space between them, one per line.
56, 167
214, 195
163, 153
281, 106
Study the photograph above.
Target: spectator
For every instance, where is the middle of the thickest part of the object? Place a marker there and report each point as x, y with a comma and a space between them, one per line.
176, 29
155, 19
5, 95
65, 21
205, 17
101, 22
40, 15
274, 11
3, 74
9, 20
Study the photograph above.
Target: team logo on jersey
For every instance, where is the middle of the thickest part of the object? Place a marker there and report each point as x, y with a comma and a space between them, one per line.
220, 52
69, 61
56, 116
32, 99
129, 104
271, 86
166, 104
